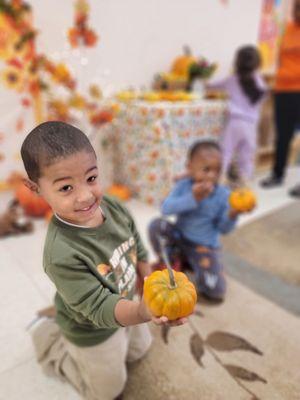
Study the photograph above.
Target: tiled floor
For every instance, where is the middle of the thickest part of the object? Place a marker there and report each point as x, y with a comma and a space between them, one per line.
24, 288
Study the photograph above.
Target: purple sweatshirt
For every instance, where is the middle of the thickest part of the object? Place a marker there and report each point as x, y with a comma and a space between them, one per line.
239, 104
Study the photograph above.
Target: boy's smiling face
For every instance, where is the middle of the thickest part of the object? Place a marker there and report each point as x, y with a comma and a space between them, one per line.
205, 166
71, 187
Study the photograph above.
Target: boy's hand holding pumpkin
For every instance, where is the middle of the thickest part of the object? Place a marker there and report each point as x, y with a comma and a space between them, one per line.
168, 299
146, 316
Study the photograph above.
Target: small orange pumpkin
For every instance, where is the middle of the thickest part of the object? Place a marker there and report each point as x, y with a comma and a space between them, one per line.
181, 64
33, 204
242, 200
164, 300
120, 191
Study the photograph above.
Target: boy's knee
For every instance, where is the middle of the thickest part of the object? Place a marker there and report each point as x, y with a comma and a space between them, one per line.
121, 384
118, 386
140, 343
111, 390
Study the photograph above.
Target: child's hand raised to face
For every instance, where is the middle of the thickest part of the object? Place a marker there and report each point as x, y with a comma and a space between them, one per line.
202, 190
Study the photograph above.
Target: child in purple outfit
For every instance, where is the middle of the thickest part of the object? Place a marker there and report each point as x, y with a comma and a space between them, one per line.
245, 89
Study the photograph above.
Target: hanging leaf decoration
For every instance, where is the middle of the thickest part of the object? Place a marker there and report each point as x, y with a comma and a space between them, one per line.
223, 341
164, 333
244, 374
197, 348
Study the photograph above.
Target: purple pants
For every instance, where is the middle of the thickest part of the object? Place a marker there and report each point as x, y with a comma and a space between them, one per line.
239, 140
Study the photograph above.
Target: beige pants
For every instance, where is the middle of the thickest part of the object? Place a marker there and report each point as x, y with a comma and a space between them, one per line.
97, 372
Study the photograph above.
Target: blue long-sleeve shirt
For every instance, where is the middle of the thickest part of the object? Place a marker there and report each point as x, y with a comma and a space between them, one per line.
203, 221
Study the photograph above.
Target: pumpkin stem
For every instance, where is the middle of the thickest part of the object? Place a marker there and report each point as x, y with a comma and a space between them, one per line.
166, 260
187, 50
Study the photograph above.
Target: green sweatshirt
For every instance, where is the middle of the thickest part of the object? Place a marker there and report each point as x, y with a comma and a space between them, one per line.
92, 268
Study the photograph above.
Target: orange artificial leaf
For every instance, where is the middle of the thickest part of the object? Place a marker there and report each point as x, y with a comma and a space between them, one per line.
90, 38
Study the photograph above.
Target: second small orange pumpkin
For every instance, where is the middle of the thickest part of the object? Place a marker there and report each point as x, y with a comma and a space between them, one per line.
242, 200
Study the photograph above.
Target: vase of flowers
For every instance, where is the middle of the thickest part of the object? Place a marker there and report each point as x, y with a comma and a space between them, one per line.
199, 72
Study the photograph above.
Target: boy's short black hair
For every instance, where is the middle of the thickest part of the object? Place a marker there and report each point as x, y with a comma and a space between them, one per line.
201, 145
49, 142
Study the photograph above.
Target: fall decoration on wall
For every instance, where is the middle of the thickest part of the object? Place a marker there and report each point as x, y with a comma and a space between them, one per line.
34, 74
81, 34
45, 86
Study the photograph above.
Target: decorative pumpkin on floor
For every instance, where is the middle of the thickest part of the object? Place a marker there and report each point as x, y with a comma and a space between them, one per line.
33, 204
49, 215
242, 199
120, 191
164, 298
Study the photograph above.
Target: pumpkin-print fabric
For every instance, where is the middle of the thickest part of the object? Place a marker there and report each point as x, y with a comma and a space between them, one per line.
151, 142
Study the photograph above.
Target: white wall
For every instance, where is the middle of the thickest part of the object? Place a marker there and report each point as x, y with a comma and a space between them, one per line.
140, 37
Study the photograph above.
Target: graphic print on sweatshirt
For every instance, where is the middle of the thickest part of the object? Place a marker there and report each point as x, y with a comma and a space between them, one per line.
122, 268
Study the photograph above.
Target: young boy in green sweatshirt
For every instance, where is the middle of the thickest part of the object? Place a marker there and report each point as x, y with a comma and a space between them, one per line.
92, 254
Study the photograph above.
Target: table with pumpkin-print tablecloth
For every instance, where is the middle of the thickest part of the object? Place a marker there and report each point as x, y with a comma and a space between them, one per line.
152, 139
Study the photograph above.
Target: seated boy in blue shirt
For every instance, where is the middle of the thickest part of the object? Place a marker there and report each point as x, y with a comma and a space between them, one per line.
201, 206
